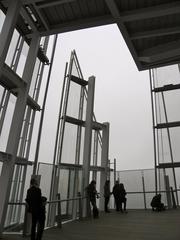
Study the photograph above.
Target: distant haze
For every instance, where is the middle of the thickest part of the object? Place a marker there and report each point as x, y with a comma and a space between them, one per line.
122, 95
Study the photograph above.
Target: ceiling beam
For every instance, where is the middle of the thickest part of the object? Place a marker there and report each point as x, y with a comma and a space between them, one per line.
151, 12
9, 79
51, 3
160, 52
80, 24
28, 18
117, 17
155, 33
161, 63
31, 1
42, 18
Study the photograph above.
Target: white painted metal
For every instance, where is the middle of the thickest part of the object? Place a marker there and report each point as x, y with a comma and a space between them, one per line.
87, 140
104, 162
8, 29
15, 130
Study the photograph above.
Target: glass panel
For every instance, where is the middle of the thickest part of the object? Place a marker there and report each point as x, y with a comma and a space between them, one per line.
99, 151
172, 99
45, 171
0, 167
27, 180
164, 145
166, 75
7, 122
12, 48
84, 106
22, 59
126, 177
63, 188
135, 195
34, 79
92, 161
69, 143
135, 201
160, 109
177, 172
73, 100
82, 145
1, 92
164, 150
34, 137
2, 17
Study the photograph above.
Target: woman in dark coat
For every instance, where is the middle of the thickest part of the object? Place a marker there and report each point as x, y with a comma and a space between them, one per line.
122, 197
107, 194
116, 194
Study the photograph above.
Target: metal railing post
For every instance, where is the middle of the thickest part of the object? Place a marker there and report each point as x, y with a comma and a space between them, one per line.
173, 198
80, 206
27, 222
144, 191
59, 219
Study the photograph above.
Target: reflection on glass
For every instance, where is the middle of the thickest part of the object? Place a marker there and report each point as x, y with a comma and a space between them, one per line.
22, 59
2, 17
12, 48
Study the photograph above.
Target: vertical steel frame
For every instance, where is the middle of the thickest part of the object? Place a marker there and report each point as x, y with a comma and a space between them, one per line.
154, 131
156, 111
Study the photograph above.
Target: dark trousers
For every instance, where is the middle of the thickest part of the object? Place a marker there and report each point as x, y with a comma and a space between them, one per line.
117, 203
122, 201
38, 221
95, 209
106, 201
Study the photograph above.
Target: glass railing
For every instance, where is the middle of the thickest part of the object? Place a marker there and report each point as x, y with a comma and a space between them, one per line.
61, 211
58, 212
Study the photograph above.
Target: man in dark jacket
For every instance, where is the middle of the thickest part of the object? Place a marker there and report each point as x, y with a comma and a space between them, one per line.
92, 195
34, 201
116, 194
107, 194
123, 198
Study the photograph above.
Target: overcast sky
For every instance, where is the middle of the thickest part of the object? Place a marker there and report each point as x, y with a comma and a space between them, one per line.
122, 94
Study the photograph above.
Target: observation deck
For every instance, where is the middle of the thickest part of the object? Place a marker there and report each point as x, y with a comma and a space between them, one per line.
135, 225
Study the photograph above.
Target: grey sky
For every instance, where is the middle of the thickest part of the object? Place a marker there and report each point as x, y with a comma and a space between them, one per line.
122, 94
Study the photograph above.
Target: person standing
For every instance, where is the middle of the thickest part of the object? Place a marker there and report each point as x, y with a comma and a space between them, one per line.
34, 202
122, 198
116, 194
107, 194
92, 194
41, 219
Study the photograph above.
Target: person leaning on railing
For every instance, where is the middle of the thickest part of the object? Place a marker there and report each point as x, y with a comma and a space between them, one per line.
92, 195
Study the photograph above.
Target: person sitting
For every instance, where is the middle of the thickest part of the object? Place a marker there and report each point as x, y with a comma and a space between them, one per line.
156, 203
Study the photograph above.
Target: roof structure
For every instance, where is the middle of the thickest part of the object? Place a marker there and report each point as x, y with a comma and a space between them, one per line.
151, 28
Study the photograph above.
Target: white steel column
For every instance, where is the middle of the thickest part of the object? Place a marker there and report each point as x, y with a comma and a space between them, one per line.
8, 29
87, 140
15, 130
104, 161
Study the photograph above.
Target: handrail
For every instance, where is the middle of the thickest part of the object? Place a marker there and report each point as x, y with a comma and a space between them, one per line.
49, 202
162, 191
77, 198
57, 216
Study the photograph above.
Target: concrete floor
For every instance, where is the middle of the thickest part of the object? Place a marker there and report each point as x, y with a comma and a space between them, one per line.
135, 225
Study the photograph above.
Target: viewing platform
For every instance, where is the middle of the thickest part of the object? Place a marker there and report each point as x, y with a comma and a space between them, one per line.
134, 225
